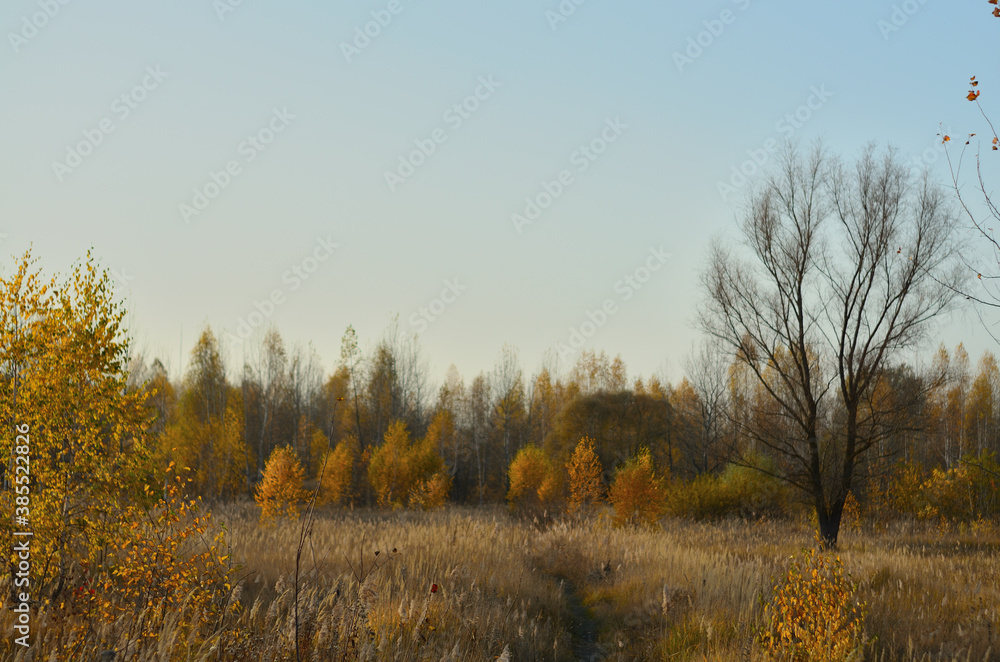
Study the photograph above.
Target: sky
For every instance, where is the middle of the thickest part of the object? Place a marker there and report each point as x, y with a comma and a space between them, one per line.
492, 173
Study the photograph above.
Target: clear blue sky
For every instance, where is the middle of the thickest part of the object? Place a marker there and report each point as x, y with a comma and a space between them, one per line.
547, 87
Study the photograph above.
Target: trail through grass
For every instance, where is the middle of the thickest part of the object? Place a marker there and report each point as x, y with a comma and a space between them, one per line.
587, 591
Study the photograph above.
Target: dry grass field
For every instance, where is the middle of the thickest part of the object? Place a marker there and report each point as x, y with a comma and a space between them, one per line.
475, 584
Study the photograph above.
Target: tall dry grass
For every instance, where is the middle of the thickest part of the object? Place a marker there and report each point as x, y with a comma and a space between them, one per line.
695, 591
456, 585
475, 584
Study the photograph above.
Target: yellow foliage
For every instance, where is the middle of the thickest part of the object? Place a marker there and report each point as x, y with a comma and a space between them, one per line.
282, 490
208, 439
75, 438
964, 492
535, 481
738, 491
903, 492
814, 614
159, 573
337, 467
318, 447
398, 467
432, 493
584, 469
637, 494
112, 564
853, 514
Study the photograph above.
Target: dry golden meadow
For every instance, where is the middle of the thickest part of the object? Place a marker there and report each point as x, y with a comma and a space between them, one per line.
476, 584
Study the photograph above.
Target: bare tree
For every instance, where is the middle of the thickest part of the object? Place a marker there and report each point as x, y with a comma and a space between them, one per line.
451, 396
305, 379
265, 385
397, 382
507, 386
478, 404
845, 268
350, 363
707, 370
411, 370
206, 377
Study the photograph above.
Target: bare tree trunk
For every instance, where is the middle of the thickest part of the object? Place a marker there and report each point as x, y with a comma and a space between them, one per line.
817, 305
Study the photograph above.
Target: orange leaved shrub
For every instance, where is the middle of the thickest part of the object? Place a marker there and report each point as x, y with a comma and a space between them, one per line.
282, 490
637, 493
161, 588
404, 473
584, 468
536, 483
337, 472
814, 614
965, 492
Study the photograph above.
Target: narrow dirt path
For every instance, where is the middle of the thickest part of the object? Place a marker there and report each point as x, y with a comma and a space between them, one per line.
583, 626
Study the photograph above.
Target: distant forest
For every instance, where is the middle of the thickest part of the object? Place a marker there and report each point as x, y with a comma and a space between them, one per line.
225, 427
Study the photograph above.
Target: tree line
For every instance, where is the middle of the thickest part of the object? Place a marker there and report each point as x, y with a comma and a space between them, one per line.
225, 429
